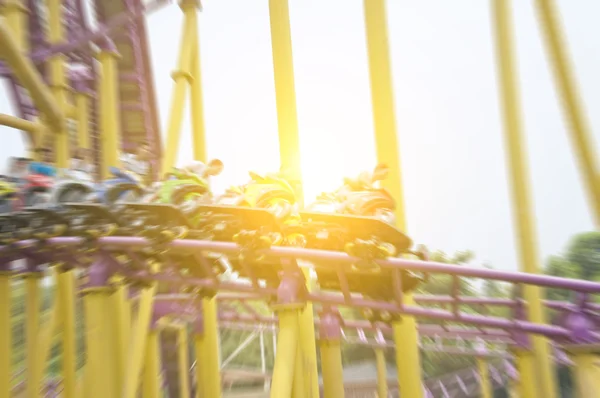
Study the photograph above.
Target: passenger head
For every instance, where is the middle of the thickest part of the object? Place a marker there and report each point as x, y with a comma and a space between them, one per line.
21, 163
381, 172
44, 154
214, 168
143, 151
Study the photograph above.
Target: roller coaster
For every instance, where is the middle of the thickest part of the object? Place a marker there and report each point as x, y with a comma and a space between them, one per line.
159, 267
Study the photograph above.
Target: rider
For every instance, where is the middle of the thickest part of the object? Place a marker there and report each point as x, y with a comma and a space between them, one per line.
366, 180
17, 169
81, 161
138, 162
44, 166
205, 171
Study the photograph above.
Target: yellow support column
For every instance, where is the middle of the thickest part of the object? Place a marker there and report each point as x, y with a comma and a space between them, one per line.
58, 86
122, 324
20, 124
27, 75
331, 354
182, 78
135, 358
32, 313
199, 368
66, 297
100, 369
289, 155
16, 14
5, 331
209, 347
151, 386
527, 385
196, 97
587, 368
299, 386
110, 123
82, 101
183, 362
287, 349
581, 134
288, 307
382, 387
484, 374
519, 176
386, 144
285, 97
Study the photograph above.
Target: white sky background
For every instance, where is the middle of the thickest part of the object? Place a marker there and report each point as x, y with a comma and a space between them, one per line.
446, 100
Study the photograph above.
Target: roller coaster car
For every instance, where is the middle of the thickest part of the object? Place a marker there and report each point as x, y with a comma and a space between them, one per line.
74, 186
251, 228
335, 231
181, 186
123, 187
36, 190
90, 219
251, 215
32, 223
143, 216
362, 228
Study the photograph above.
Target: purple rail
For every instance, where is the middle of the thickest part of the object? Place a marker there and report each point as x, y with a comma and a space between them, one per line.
343, 261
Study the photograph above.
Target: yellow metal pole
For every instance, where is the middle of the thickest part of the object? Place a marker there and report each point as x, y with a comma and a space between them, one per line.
199, 369
99, 371
285, 96
581, 134
183, 362
299, 384
196, 96
182, 78
587, 374
66, 297
287, 348
308, 348
331, 369
151, 385
110, 124
56, 34
16, 14
386, 144
522, 208
527, 385
82, 100
32, 314
120, 317
138, 340
209, 346
330, 336
5, 332
484, 374
25, 72
20, 124
289, 155
382, 387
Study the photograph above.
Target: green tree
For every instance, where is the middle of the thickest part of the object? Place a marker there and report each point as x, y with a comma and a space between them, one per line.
441, 284
581, 260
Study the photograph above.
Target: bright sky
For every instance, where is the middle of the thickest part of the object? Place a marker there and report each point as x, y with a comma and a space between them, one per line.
446, 101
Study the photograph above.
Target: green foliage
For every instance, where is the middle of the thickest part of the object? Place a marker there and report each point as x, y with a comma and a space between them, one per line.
581, 260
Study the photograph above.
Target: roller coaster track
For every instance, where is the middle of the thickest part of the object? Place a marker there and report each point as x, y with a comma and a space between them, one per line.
124, 23
459, 323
